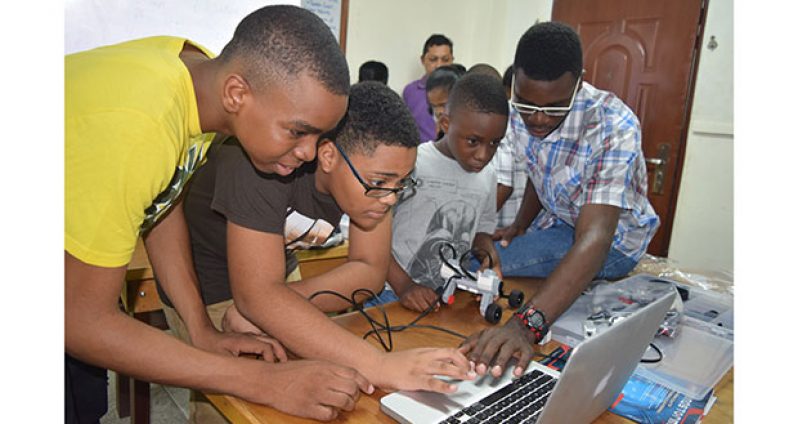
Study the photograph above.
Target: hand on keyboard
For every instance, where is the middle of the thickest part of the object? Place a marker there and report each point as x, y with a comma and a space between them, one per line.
416, 369
493, 347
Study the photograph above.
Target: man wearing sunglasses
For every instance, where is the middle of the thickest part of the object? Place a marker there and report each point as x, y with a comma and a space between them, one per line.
584, 206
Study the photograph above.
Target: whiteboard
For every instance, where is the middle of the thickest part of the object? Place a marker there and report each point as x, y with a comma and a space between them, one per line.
93, 23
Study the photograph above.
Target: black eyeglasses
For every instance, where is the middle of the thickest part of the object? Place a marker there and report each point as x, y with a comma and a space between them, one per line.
405, 185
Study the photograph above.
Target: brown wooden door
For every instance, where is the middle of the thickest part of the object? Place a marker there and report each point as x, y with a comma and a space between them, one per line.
646, 52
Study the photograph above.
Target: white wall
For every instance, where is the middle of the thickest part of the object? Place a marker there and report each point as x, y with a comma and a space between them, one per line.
482, 31
703, 229
394, 32
92, 23
487, 31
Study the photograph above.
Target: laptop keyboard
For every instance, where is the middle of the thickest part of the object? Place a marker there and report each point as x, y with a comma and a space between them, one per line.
518, 402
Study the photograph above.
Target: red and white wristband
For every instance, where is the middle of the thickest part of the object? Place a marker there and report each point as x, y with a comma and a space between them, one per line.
535, 321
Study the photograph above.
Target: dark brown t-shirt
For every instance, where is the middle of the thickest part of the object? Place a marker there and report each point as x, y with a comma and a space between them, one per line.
228, 187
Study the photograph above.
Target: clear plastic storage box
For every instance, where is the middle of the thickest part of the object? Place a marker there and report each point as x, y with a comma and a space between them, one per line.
701, 350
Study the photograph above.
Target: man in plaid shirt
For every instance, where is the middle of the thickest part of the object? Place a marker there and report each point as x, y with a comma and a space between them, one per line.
585, 199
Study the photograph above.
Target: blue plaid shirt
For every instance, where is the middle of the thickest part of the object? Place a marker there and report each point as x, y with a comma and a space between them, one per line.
593, 157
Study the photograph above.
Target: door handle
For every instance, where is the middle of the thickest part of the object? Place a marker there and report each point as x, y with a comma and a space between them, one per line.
659, 162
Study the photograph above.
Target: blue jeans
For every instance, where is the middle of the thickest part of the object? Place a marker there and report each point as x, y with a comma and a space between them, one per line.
538, 252
384, 297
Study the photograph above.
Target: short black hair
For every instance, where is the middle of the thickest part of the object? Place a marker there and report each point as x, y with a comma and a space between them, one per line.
548, 50
373, 70
484, 68
479, 93
437, 40
443, 76
459, 67
376, 116
278, 43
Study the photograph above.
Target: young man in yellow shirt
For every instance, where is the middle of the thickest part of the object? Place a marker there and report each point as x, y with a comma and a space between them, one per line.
139, 117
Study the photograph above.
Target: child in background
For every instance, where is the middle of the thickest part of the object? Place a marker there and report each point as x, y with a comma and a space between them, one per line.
438, 51
484, 68
459, 67
456, 199
373, 70
439, 83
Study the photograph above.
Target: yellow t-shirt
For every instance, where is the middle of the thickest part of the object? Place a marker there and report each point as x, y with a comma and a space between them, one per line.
133, 139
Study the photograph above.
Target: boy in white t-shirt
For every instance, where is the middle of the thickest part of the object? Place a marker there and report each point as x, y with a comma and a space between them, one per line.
455, 202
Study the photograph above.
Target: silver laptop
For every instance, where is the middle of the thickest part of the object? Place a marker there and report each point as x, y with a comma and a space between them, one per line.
591, 380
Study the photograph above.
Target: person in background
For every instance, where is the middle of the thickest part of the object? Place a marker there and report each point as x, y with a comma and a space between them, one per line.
485, 69
139, 119
438, 51
373, 70
455, 202
439, 83
585, 196
460, 68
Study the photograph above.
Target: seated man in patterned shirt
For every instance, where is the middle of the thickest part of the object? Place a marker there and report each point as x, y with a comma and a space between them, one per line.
585, 198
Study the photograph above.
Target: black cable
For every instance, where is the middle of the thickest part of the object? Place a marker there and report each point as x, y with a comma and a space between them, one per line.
359, 308
653, 361
405, 327
445, 261
378, 327
468, 273
412, 324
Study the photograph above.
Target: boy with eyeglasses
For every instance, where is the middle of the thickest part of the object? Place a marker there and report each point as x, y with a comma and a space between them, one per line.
585, 197
455, 203
244, 225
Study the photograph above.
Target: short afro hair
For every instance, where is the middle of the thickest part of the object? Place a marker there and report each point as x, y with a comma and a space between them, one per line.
437, 40
479, 93
484, 68
278, 43
376, 116
548, 50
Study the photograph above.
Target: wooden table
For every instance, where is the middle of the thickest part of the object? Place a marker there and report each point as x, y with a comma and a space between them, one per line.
462, 317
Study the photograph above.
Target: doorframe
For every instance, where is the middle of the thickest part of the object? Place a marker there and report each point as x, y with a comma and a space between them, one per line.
667, 227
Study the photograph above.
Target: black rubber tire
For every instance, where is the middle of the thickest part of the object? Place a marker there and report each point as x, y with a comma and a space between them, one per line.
516, 299
493, 313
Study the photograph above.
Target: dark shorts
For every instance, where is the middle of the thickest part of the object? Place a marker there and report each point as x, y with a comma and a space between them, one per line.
86, 392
